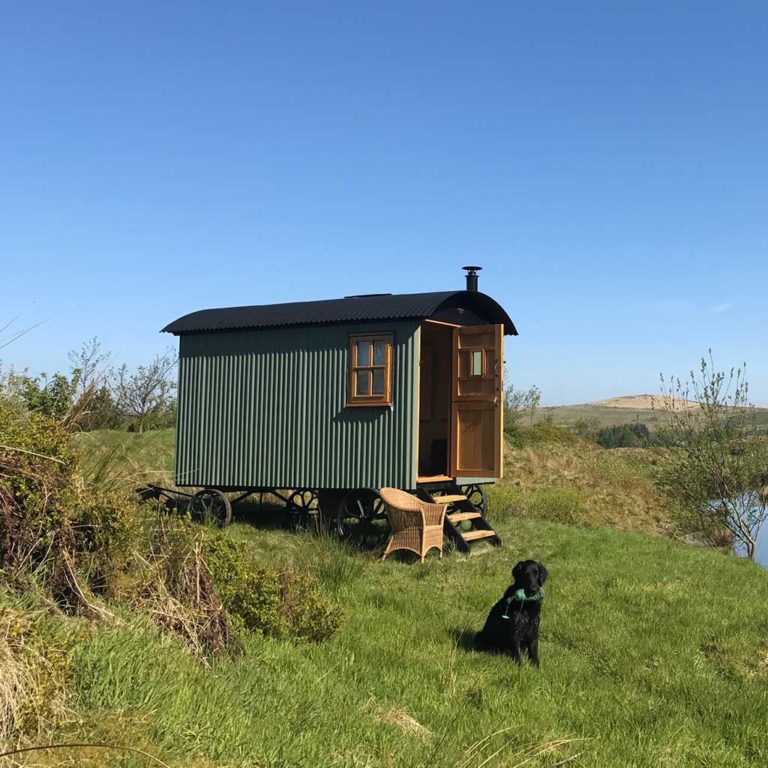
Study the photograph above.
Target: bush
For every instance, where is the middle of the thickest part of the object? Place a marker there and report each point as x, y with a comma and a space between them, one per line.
110, 527
38, 489
276, 602
543, 433
79, 540
625, 436
34, 668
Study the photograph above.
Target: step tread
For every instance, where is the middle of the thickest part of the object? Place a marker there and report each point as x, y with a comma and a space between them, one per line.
477, 534
457, 517
450, 498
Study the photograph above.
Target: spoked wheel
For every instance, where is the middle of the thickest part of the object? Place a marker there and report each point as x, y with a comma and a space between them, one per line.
477, 496
361, 519
304, 509
213, 506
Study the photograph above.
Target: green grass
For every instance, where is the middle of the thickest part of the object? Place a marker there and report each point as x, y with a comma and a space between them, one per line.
130, 456
578, 482
653, 654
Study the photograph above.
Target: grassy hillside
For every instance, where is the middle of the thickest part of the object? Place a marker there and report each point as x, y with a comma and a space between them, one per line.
653, 654
578, 482
568, 415
129, 456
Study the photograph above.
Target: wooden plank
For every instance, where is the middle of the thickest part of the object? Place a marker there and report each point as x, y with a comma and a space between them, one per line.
457, 517
440, 322
477, 534
450, 499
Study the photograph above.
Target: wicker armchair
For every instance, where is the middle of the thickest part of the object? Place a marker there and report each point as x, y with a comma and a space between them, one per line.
416, 525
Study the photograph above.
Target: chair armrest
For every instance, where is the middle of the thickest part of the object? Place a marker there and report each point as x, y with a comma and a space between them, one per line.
434, 514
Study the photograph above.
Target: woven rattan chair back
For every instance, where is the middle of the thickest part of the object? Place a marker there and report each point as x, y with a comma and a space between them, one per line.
416, 525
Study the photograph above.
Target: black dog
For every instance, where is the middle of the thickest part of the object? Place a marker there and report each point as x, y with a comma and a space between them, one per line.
512, 626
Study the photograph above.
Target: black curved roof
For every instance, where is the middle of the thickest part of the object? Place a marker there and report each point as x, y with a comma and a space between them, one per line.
449, 305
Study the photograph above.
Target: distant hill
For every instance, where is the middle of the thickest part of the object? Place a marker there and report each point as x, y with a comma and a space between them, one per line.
643, 402
623, 410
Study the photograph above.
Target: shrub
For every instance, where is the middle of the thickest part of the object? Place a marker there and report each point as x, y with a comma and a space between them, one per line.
179, 592
715, 475
546, 432
38, 488
110, 527
277, 602
624, 436
33, 668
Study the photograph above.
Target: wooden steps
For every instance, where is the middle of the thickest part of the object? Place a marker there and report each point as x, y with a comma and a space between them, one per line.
477, 534
464, 522
458, 517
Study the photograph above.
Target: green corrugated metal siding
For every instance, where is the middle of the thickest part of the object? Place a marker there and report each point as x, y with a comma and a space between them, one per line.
267, 409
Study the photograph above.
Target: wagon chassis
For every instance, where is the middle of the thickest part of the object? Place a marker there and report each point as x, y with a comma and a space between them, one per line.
357, 516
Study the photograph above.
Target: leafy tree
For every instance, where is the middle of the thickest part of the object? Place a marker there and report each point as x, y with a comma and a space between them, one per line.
51, 396
716, 468
587, 428
517, 403
94, 404
624, 436
147, 391
89, 366
99, 410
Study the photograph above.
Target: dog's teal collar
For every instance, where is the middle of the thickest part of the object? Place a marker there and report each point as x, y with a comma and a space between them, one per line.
521, 597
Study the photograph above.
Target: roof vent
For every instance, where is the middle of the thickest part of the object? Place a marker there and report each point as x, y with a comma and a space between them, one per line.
472, 277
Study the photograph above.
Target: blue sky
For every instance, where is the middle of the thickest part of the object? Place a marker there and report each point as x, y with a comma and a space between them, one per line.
606, 163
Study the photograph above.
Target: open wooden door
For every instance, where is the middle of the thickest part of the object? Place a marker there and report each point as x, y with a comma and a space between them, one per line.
477, 401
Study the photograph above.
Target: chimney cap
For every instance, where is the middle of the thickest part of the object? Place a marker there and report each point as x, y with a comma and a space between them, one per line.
473, 268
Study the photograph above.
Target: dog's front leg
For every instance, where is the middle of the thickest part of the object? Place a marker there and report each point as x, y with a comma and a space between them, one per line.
533, 652
516, 652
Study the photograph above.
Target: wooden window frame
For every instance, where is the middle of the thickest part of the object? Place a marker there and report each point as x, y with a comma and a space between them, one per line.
483, 363
353, 399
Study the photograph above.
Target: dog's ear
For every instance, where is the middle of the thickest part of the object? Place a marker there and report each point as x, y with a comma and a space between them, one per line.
543, 574
517, 571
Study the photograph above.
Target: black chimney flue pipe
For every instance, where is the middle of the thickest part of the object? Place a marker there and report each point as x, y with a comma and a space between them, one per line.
472, 277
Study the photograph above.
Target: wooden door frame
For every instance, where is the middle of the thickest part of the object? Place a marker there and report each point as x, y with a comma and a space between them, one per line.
469, 402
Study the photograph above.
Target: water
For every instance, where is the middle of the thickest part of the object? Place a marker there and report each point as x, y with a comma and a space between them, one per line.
761, 554
761, 551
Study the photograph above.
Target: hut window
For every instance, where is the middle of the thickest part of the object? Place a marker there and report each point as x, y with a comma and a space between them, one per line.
370, 373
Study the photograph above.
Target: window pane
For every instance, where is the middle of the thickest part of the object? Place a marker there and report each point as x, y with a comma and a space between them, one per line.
363, 386
477, 362
379, 353
363, 353
378, 381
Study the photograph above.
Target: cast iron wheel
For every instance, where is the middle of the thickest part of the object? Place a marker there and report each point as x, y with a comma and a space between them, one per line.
211, 505
361, 519
477, 497
304, 509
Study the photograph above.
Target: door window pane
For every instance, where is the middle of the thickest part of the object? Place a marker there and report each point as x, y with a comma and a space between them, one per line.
363, 353
378, 381
363, 386
477, 362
